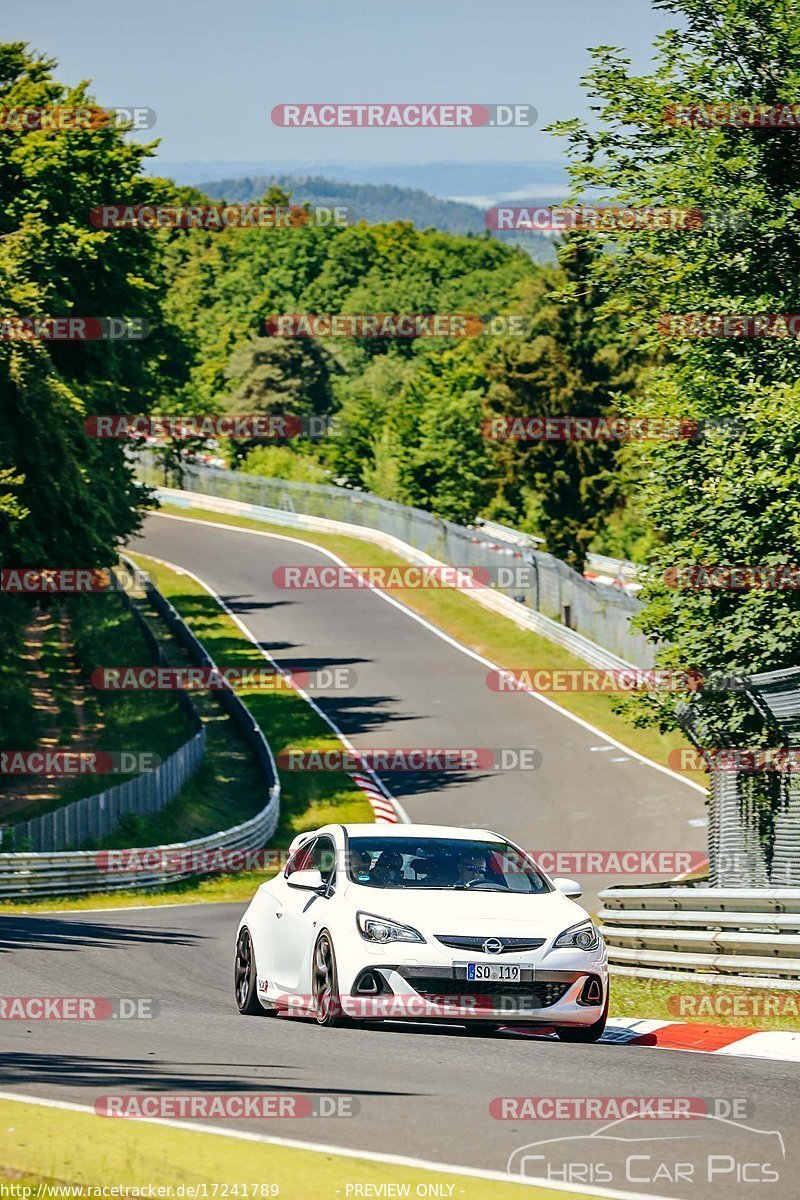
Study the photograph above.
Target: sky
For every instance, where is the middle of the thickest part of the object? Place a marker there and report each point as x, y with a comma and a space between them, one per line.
213, 71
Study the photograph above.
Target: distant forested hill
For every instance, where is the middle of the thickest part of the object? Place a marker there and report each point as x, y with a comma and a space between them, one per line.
375, 204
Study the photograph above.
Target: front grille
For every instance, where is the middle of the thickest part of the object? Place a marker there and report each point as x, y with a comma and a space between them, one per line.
509, 944
498, 994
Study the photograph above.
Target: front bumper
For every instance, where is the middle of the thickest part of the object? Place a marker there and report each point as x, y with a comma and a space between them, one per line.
429, 992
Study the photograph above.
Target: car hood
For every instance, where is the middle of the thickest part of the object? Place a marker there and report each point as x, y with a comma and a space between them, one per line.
471, 912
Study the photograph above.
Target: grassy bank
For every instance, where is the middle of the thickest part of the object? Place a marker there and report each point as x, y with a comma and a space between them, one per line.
704, 1004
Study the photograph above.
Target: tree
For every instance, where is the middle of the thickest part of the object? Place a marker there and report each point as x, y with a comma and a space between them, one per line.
571, 363
75, 495
444, 461
729, 496
278, 376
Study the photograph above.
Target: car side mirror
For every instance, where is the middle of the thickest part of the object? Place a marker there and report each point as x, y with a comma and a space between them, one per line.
309, 881
569, 887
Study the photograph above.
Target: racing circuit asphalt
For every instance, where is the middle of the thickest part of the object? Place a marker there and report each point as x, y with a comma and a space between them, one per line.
423, 1091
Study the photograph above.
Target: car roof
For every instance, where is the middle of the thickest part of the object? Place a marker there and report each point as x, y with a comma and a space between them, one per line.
414, 831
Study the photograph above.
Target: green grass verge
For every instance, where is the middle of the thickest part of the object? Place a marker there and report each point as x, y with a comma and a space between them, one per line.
495, 637
50, 1146
704, 1004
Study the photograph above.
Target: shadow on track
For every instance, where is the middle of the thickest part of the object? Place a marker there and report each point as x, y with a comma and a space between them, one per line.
61, 933
79, 1070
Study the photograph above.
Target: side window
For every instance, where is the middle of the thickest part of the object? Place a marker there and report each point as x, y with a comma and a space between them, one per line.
324, 858
302, 859
319, 854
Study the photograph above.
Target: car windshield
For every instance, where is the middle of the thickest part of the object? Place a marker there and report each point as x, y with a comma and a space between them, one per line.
451, 864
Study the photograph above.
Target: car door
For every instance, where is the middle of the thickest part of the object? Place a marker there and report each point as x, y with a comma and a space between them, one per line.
302, 913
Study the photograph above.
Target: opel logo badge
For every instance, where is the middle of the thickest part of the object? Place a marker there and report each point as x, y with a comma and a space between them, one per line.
492, 946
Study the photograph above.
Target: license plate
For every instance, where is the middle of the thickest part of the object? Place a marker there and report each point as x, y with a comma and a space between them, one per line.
495, 972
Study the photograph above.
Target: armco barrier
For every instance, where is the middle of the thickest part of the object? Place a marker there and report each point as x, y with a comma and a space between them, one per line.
98, 815
81, 871
736, 935
73, 873
556, 601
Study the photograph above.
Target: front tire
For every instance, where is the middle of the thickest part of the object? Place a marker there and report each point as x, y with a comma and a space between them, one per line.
585, 1033
245, 978
325, 984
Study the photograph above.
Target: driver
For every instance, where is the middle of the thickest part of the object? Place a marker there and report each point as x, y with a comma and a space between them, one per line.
472, 867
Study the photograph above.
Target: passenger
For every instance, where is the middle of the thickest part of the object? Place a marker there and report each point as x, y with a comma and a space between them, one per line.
388, 868
360, 863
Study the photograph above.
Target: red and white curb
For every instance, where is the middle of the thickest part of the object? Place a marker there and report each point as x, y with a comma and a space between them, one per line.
707, 1039
382, 806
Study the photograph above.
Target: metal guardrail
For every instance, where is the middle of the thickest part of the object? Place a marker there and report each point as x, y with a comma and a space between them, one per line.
731, 933
551, 588
98, 815
80, 871
73, 873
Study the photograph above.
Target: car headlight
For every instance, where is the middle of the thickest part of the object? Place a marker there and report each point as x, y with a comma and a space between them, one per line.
380, 929
582, 936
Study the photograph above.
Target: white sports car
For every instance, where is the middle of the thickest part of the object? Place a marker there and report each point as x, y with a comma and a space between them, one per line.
421, 922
